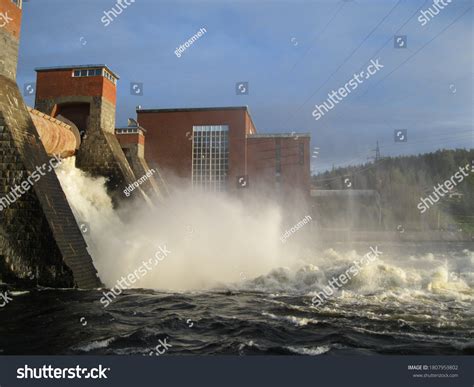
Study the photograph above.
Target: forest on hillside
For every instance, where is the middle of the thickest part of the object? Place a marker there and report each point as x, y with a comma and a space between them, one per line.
401, 183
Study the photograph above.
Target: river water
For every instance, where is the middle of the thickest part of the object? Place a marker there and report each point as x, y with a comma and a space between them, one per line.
407, 301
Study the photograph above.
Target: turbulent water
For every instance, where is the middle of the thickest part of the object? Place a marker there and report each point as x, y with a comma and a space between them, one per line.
423, 308
230, 286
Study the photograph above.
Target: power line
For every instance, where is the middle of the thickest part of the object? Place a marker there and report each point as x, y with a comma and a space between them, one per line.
398, 30
390, 38
341, 6
420, 49
345, 60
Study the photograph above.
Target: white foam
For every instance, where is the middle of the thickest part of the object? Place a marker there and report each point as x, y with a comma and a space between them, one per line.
310, 351
212, 237
96, 345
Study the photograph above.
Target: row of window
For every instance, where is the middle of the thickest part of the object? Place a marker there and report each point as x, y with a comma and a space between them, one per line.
210, 129
126, 130
110, 77
87, 73
94, 73
210, 157
18, 3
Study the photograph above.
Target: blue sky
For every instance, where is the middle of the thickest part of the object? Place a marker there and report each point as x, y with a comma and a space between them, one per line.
287, 51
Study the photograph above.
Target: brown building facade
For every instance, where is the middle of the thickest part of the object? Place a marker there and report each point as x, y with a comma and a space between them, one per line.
219, 149
279, 164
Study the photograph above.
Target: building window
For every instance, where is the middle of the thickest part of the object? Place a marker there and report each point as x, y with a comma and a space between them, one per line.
301, 153
109, 76
210, 157
277, 159
94, 73
86, 72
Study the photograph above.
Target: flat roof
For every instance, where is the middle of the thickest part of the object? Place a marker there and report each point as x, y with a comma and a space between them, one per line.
131, 127
285, 135
201, 109
73, 67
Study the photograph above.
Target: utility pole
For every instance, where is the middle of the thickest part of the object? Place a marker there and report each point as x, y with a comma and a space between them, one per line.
377, 153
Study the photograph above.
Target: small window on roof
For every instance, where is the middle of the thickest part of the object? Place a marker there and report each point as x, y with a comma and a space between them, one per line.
83, 73
98, 72
77, 73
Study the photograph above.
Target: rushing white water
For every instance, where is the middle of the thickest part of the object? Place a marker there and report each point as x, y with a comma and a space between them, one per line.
450, 275
216, 240
212, 238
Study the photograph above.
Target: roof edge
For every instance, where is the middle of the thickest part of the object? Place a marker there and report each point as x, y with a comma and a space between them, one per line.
173, 110
72, 67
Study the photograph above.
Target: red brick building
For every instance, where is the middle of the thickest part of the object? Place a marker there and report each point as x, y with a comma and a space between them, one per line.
85, 97
219, 149
85, 94
216, 149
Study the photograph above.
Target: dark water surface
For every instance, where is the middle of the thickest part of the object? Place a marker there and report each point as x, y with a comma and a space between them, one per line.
246, 323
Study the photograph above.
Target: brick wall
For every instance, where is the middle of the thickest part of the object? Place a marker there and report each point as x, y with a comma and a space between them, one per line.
169, 139
284, 176
61, 83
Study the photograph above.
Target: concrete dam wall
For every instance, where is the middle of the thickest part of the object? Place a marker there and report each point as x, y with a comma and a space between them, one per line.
40, 242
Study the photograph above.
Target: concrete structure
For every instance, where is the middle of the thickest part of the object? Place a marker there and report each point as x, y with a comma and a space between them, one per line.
132, 141
219, 149
86, 96
58, 138
40, 242
10, 37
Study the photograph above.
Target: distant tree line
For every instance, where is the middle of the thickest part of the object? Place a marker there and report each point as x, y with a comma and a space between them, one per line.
401, 183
